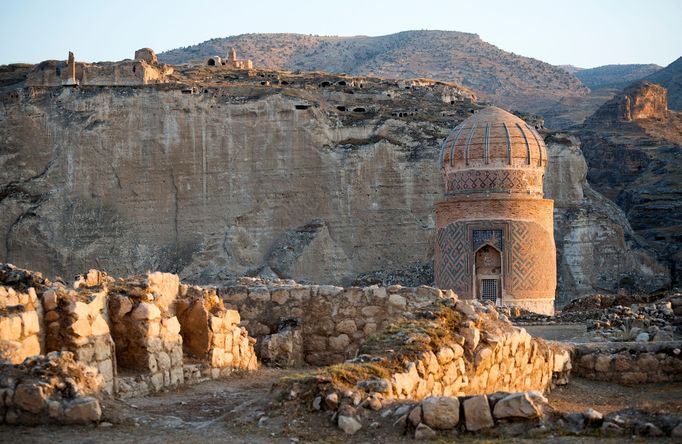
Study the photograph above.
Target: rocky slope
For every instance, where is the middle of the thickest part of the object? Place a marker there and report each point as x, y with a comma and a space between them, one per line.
633, 147
670, 77
498, 76
614, 76
312, 176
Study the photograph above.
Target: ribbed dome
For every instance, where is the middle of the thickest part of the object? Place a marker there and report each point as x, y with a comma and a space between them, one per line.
493, 136
493, 151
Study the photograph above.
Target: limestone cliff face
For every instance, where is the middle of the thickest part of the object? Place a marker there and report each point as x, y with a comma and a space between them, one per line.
597, 249
633, 153
321, 182
128, 179
642, 100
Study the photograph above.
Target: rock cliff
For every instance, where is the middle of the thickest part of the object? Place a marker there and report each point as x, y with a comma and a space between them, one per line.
597, 249
633, 145
670, 77
222, 173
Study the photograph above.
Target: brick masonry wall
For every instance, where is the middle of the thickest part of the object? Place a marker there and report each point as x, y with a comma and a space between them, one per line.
525, 228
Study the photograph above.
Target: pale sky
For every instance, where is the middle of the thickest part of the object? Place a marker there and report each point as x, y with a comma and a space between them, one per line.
582, 33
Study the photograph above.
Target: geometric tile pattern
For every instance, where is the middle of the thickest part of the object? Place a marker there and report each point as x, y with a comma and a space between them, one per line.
526, 272
493, 237
452, 265
468, 181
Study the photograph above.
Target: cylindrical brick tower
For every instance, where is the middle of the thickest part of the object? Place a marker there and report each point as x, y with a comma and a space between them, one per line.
494, 229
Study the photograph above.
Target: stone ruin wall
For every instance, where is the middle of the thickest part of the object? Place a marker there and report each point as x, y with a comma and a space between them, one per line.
333, 321
20, 332
629, 363
127, 333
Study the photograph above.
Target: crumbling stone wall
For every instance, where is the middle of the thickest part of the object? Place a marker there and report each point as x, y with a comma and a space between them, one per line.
211, 332
19, 325
52, 388
448, 348
125, 330
629, 363
334, 321
76, 321
145, 329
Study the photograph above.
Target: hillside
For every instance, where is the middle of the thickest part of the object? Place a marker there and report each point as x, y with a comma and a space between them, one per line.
614, 76
670, 77
498, 76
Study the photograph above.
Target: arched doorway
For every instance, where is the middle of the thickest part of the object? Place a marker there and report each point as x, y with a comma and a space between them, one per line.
488, 274
211, 62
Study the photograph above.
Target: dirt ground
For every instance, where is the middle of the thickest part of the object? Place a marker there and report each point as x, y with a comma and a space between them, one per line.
233, 410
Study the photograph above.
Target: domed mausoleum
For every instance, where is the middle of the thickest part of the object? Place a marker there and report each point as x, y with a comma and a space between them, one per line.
494, 229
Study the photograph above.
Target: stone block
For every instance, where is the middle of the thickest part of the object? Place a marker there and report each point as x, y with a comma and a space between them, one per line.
440, 412
300, 294
280, 296
340, 342
29, 397
172, 325
49, 300
99, 327
78, 309
259, 294
82, 411
145, 311
346, 326
85, 354
216, 324
231, 317
176, 376
51, 316
106, 369
369, 328
517, 405
397, 301
472, 336
156, 381
119, 306
30, 346
81, 328
477, 413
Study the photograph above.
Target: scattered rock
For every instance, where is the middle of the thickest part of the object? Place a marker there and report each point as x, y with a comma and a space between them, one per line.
424, 432
516, 405
349, 424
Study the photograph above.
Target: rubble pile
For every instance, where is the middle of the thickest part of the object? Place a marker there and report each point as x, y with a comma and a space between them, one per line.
619, 318
641, 323
51, 388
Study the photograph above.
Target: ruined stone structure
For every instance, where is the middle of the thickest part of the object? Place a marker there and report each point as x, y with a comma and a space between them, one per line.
231, 61
138, 334
494, 230
144, 70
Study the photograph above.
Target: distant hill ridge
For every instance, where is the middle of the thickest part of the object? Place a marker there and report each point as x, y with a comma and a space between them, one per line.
613, 76
498, 76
